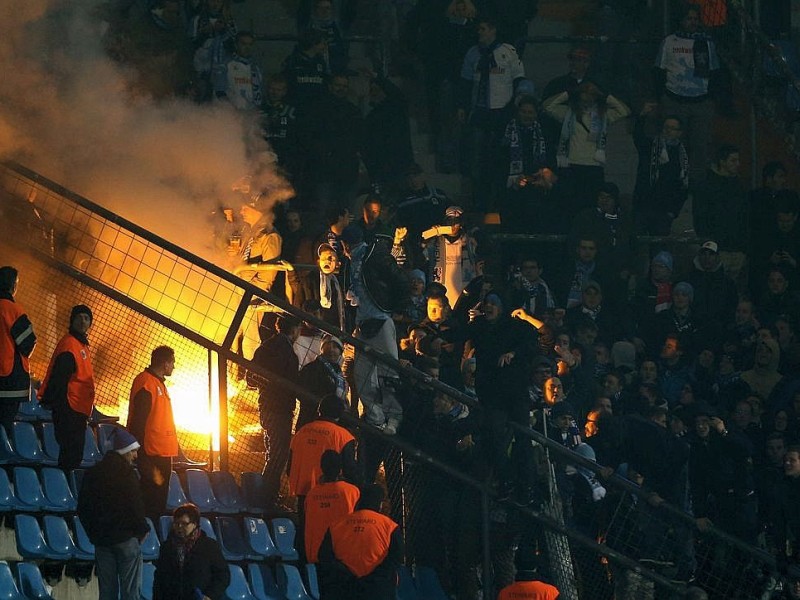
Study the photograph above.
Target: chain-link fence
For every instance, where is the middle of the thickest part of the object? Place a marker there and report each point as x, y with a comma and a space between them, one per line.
145, 292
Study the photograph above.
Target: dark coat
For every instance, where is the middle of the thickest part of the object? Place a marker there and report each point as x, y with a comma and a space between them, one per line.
110, 502
204, 568
277, 356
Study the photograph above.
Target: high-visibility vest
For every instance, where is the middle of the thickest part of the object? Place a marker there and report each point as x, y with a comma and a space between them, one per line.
307, 446
160, 437
326, 503
80, 387
361, 540
15, 380
528, 590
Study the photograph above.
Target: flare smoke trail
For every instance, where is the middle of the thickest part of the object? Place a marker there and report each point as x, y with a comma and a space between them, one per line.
68, 112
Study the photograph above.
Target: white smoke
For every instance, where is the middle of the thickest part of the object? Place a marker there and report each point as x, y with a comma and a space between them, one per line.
70, 113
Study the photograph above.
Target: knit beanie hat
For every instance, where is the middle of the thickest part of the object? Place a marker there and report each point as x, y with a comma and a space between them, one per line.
664, 258
123, 442
80, 309
417, 274
684, 287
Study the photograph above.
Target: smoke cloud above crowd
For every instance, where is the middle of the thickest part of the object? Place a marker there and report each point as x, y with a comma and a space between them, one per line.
72, 114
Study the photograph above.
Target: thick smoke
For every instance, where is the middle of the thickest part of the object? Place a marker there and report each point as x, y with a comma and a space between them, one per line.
70, 113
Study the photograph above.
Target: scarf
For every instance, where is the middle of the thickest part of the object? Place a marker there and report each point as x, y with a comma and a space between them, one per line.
611, 221
328, 286
659, 156
337, 378
183, 546
596, 132
663, 296
486, 63
537, 291
536, 151
591, 312
581, 276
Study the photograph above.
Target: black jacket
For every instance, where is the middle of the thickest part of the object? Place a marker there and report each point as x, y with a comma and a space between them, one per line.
204, 568
277, 356
110, 502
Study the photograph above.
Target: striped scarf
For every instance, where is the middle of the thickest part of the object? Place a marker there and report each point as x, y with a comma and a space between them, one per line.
536, 152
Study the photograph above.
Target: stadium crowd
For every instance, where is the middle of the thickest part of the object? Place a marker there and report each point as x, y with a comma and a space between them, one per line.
681, 373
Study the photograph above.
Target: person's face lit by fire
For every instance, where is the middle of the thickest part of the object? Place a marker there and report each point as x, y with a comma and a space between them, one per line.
81, 323
587, 251
526, 114
328, 261
437, 310
371, 212
250, 214
791, 464
671, 349
553, 390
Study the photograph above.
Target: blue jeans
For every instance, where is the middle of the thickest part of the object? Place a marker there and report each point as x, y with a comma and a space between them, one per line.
119, 570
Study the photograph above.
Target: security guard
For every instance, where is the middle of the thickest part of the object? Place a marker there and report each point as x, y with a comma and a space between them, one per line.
151, 422
528, 587
17, 342
68, 388
360, 553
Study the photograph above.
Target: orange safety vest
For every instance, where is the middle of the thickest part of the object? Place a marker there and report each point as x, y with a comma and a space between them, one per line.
326, 503
361, 540
160, 438
528, 590
307, 446
80, 387
10, 312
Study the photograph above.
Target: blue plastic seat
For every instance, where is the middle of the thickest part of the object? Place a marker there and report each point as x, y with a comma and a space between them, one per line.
253, 492
148, 576
50, 445
259, 539
284, 532
262, 582
207, 528
312, 580
406, 589
7, 454
8, 587
200, 492
28, 490
238, 588
26, 444
428, 585
232, 543
31, 410
104, 431
150, 545
164, 527
91, 454
30, 540
57, 536
8, 501
56, 490
175, 494
228, 494
31, 583
290, 583
83, 544
76, 481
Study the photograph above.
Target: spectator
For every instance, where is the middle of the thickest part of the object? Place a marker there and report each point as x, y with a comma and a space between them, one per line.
336, 49
530, 291
329, 500
576, 273
111, 509
276, 401
421, 207
373, 227
764, 200
662, 178
488, 74
17, 342
279, 120
778, 244
243, 84
68, 388
715, 296
151, 422
306, 71
778, 299
190, 564
653, 294
719, 211
323, 377
764, 376
529, 585
360, 553
581, 158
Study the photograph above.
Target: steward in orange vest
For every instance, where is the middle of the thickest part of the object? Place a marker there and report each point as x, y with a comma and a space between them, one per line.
327, 502
312, 440
68, 388
528, 587
360, 553
17, 342
151, 422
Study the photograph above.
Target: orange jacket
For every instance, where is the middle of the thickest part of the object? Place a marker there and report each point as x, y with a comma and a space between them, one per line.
80, 387
307, 447
326, 503
17, 341
361, 540
528, 590
160, 438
